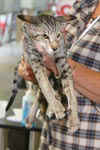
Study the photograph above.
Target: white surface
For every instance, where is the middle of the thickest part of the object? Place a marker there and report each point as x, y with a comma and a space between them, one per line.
17, 112
14, 118
17, 117
3, 105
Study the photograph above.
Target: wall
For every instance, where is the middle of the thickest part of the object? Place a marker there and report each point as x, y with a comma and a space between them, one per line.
15, 5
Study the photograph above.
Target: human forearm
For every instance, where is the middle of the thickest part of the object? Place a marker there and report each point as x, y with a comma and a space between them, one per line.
87, 93
87, 81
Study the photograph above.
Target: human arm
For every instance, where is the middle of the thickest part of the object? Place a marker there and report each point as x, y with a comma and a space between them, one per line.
25, 70
86, 81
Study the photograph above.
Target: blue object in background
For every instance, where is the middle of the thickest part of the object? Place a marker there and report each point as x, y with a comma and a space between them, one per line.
27, 102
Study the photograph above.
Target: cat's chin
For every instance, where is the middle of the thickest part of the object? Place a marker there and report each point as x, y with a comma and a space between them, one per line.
50, 52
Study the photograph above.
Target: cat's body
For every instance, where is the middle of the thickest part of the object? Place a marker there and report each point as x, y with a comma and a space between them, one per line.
46, 31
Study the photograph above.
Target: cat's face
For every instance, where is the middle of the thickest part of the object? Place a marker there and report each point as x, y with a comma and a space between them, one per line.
47, 30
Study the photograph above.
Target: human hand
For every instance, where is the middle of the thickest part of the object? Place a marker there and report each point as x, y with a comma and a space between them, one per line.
25, 70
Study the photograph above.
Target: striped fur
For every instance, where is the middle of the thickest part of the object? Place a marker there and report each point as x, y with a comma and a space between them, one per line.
47, 30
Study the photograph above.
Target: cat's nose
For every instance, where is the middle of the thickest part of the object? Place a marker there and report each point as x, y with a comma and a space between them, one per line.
54, 45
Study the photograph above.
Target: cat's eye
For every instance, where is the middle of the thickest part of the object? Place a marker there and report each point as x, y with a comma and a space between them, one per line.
45, 36
58, 35
36, 36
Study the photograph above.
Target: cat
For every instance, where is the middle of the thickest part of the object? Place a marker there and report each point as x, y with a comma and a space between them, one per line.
47, 31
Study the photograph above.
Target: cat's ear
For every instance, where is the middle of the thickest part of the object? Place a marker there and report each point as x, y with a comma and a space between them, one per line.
65, 19
24, 22
29, 19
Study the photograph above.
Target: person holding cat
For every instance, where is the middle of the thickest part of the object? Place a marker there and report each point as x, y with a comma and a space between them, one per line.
86, 64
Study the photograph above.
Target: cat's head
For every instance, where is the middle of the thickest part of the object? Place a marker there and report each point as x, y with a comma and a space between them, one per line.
44, 29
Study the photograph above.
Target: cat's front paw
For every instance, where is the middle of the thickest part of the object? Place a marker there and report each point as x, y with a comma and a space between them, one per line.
52, 113
58, 110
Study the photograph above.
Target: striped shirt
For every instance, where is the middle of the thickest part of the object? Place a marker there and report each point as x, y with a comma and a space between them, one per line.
54, 135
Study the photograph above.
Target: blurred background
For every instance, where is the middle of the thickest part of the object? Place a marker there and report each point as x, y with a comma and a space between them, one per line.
10, 49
